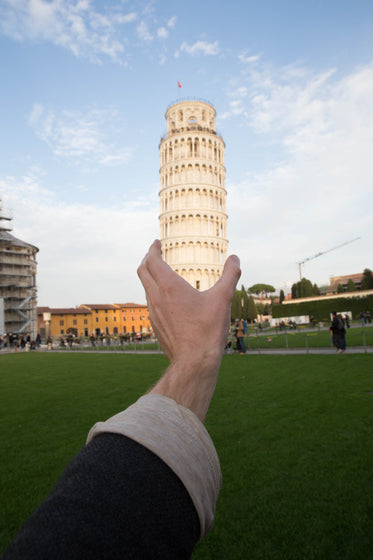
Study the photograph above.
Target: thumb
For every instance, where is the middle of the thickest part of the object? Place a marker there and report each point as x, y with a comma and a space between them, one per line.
230, 276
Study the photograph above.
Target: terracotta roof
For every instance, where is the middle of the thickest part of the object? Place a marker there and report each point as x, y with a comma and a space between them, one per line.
99, 306
131, 305
64, 310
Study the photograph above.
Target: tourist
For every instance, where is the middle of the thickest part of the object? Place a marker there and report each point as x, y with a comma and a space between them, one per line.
336, 328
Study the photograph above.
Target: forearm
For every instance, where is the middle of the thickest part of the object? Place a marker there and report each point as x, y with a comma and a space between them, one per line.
191, 382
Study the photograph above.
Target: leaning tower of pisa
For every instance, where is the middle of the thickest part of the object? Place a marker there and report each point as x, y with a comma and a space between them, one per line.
193, 217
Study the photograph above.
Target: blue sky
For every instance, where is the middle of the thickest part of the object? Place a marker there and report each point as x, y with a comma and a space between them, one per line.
84, 89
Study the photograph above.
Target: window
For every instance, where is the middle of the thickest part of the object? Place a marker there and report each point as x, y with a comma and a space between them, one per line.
96, 319
75, 322
85, 322
62, 331
62, 323
105, 310
198, 284
106, 319
133, 318
192, 120
96, 310
115, 318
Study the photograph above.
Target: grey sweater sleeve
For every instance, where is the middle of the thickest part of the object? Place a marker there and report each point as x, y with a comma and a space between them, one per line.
180, 439
116, 500
144, 486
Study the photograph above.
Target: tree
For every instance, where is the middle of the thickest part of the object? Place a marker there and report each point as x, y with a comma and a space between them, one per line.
262, 289
244, 303
294, 290
251, 312
262, 308
340, 289
316, 290
303, 288
367, 281
236, 309
351, 286
282, 296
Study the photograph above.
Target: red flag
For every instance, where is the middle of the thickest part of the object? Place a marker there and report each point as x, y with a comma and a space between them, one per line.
179, 84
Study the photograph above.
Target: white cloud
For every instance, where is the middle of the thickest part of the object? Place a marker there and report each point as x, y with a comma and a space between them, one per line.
143, 32
172, 22
162, 33
199, 47
319, 193
86, 253
74, 25
82, 137
125, 18
248, 59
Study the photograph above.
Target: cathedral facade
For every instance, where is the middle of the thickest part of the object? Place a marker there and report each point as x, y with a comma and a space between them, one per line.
193, 219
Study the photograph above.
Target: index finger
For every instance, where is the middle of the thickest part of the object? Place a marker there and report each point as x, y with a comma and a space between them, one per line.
153, 265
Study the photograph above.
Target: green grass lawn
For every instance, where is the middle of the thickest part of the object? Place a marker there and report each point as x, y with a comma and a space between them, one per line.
312, 339
294, 435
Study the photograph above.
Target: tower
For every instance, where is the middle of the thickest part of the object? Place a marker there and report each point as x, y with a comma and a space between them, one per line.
193, 219
17, 282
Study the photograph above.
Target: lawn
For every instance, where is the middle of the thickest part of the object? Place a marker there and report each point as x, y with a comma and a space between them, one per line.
294, 435
301, 338
310, 339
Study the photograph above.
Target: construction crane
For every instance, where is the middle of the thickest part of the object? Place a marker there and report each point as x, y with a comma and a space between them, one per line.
323, 253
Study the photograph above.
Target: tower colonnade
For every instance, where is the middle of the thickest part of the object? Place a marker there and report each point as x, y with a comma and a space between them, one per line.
193, 219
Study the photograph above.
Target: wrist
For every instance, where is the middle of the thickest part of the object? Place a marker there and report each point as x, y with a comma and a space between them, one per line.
191, 381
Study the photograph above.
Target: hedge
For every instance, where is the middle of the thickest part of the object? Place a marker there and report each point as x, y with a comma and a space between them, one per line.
322, 308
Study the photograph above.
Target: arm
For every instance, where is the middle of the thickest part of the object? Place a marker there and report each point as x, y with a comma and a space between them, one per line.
148, 479
191, 326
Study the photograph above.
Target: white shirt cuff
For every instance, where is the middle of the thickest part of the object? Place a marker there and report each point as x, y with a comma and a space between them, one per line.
179, 438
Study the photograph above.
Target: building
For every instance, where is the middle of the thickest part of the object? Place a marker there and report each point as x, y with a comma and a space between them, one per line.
193, 219
96, 319
17, 282
343, 280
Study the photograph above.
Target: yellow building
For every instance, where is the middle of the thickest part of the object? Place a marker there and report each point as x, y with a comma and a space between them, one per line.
96, 319
135, 318
105, 318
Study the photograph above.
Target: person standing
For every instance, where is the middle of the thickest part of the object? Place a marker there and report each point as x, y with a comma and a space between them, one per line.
240, 337
336, 329
343, 331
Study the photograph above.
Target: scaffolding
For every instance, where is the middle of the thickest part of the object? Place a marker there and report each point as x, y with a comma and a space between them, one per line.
17, 282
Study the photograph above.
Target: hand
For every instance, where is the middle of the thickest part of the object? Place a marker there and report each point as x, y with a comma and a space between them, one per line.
191, 326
